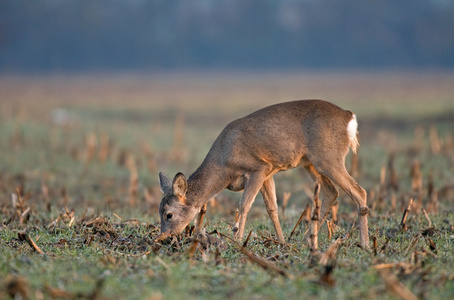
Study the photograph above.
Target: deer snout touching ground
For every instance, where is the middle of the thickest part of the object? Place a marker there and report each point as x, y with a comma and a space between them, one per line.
313, 134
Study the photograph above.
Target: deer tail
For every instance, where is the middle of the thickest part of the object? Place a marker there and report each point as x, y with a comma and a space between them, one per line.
352, 131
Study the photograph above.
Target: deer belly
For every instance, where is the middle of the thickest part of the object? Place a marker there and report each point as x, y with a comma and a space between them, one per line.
237, 184
287, 162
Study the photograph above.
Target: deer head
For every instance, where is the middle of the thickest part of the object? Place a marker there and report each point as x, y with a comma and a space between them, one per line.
174, 210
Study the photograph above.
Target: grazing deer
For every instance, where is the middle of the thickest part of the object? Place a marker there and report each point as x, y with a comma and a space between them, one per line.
314, 134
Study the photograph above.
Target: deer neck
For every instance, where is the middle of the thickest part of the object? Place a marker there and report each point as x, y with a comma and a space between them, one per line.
205, 183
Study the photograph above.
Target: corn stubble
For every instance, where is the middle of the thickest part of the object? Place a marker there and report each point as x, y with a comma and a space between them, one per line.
405, 203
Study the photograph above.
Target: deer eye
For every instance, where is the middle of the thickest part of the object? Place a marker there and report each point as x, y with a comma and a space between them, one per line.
169, 216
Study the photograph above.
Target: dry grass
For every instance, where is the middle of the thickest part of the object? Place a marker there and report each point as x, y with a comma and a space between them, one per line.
79, 190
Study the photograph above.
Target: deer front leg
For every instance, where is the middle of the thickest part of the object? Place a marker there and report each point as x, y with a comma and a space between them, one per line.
251, 189
268, 191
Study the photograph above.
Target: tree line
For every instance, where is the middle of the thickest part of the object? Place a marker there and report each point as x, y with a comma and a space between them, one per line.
160, 34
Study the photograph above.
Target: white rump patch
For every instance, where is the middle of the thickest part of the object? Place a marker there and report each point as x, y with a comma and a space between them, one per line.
352, 131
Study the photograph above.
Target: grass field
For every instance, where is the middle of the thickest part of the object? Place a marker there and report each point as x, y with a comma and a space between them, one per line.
79, 164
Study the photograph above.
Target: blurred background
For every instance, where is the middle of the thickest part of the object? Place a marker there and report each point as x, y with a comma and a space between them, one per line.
98, 96
107, 35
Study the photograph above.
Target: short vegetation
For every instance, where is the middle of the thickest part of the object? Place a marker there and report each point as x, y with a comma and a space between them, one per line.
79, 192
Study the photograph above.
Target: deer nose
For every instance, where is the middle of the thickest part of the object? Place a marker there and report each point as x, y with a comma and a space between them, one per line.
164, 228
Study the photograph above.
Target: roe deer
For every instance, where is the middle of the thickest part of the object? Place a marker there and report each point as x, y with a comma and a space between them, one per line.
314, 134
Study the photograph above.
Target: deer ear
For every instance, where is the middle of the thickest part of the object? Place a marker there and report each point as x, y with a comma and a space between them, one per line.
165, 183
180, 185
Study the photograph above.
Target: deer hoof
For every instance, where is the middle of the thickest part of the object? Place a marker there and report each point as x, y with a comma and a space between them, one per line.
235, 227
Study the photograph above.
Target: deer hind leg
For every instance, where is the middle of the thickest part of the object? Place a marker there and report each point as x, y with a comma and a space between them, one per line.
268, 191
329, 192
339, 175
329, 195
251, 189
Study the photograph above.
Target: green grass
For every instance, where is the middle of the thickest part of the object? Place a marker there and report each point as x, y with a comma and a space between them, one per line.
123, 256
131, 271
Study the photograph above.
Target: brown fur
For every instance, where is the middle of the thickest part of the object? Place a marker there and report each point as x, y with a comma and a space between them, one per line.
250, 150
